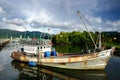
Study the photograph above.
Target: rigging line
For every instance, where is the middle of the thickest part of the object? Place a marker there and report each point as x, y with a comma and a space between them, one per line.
92, 27
85, 43
78, 13
97, 39
88, 22
99, 35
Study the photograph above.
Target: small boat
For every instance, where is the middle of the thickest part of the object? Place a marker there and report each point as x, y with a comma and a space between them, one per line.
44, 55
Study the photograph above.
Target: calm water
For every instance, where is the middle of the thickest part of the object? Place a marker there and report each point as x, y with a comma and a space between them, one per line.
14, 70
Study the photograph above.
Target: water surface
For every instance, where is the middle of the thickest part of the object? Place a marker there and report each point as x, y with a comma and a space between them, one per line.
14, 70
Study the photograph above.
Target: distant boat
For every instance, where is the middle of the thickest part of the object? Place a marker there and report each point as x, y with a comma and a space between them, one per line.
44, 55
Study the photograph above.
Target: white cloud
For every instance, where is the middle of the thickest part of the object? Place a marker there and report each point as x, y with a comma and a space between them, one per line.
13, 24
113, 23
40, 16
15, 21
96, 19
11, 27
116, 23
17, 28
1, 10
59, 15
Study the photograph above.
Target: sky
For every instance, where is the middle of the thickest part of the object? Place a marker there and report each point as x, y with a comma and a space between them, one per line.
54, 16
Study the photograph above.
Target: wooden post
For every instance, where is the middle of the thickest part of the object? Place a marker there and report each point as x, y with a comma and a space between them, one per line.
38, 54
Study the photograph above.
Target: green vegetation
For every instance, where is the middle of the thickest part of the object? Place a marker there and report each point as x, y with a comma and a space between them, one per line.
74, 38
110, 44
83, 39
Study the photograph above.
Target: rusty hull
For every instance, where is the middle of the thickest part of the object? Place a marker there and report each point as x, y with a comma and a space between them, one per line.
88, 61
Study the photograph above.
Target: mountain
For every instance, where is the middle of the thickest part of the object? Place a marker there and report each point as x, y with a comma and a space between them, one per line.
6, 33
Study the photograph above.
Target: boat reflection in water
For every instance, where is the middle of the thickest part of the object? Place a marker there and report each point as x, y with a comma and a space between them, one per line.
29, 73
47, 73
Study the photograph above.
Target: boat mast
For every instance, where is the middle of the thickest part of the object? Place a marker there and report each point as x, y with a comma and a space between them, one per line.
80, 16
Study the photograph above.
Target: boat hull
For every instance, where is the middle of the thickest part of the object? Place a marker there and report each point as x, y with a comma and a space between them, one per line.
90, 61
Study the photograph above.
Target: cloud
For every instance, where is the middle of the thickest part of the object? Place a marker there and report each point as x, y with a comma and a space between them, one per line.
115, 24
41, 16
13, 24
108, 9
107, 5
16, 21
59, 15
11, 27
96, 19
1, 10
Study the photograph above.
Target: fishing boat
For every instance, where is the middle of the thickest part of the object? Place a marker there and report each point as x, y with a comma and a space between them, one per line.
44, 55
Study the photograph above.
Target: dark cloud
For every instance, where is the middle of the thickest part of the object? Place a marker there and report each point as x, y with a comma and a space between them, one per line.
108, 9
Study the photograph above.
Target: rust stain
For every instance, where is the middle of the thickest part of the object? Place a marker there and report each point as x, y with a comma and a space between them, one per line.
85, 62
69, 59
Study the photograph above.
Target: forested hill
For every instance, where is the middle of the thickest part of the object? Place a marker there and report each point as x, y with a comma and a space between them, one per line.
6, 33
65, 38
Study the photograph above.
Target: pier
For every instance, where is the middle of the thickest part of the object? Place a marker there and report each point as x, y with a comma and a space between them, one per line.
3, 42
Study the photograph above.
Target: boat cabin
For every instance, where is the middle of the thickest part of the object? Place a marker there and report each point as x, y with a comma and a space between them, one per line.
33, 46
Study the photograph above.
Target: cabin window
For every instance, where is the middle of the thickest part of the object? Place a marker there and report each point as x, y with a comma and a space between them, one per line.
40, 47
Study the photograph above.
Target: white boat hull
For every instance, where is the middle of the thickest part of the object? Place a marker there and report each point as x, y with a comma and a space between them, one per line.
87, 64
96, 60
